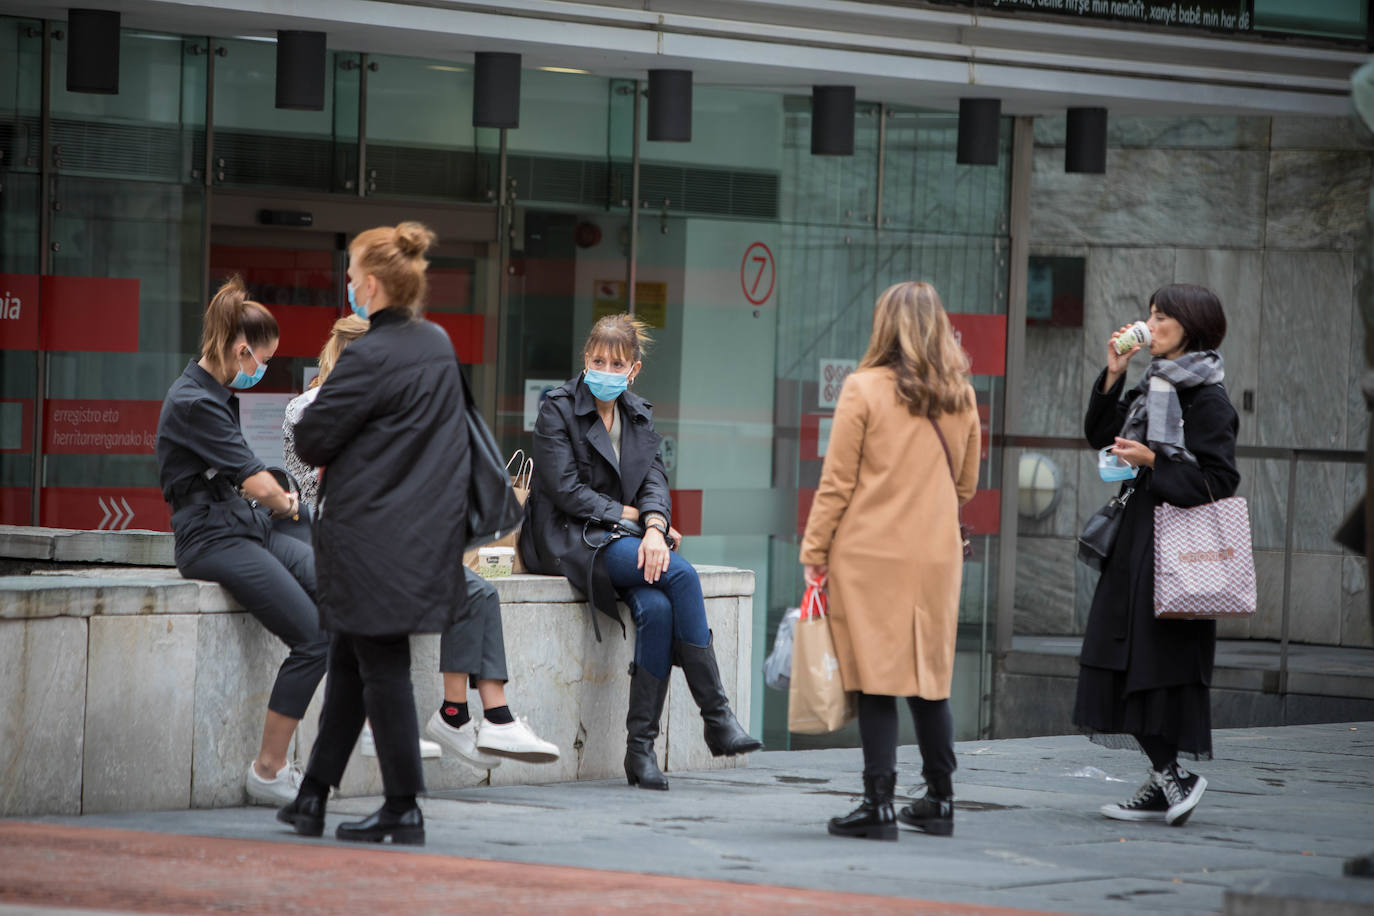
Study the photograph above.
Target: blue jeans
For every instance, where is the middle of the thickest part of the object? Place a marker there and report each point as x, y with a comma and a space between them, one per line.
671, 608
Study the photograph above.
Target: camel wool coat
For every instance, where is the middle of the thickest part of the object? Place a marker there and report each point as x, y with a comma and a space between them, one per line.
886, 520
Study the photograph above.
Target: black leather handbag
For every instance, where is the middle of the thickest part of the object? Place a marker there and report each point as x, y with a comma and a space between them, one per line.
1099, 535
493, 510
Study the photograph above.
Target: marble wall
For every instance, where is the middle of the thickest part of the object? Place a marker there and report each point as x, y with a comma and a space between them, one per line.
1266, 212
138, 690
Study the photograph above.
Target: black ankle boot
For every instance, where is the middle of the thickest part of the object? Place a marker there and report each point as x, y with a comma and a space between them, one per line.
305, 813
647, 694
933, 813
406, 828
725, 737
873, 819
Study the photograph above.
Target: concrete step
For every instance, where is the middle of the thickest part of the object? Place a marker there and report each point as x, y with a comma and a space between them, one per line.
1241, 664
1293, 895
68, 545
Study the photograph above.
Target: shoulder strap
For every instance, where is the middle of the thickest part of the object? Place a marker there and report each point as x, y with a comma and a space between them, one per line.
949, 460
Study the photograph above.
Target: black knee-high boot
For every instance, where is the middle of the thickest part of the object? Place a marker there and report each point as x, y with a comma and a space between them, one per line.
647, 694
725, 737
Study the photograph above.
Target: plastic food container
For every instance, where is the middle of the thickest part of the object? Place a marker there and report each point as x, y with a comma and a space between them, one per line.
495, 562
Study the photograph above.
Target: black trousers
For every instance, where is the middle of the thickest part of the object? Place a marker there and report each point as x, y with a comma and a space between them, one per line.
934, 734
369, 676
274, 580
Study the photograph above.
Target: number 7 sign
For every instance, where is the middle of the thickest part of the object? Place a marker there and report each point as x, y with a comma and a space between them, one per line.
757, 273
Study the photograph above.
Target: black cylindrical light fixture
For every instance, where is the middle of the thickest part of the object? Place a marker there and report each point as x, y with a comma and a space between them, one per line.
93, 51
300, 70
1085, 142
670, 105
979, 131
832, 120
496, 90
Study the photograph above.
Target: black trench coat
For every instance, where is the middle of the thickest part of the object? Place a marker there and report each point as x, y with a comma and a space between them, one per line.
576, 478
389, 429
1122, 632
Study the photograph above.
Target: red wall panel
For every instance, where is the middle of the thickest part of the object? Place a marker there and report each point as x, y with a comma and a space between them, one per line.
89, 314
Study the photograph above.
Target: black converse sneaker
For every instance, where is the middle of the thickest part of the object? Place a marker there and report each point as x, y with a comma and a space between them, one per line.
1148, 804
1183, 790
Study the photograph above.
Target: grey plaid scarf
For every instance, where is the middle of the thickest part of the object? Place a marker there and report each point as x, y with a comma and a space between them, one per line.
1155, 418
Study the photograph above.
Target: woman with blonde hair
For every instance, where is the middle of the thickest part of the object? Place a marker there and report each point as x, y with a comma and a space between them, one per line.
471, 645
389, 430
884, 536
345, 331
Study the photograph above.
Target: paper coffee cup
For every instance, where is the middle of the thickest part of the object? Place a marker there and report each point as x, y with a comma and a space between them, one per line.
1137, 334
495, 562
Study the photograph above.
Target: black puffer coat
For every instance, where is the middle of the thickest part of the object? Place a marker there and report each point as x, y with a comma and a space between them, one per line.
388, 427
576, 478
1122, 632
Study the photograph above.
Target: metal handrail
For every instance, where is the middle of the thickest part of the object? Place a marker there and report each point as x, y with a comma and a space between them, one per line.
1262, 452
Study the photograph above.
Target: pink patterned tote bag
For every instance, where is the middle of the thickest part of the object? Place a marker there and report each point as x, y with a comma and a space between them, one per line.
1204, 568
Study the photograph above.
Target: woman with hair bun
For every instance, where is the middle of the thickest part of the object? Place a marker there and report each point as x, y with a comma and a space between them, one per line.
597, 468
390, 433
206, 468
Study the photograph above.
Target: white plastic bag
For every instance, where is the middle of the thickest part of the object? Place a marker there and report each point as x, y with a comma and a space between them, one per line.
777, 668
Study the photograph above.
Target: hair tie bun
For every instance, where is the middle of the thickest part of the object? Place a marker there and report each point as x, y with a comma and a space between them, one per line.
413, 239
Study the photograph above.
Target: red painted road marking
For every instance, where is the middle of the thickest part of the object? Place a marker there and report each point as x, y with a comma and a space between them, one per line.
89, 867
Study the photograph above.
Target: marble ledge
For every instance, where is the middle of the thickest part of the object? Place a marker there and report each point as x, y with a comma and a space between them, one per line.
100, 591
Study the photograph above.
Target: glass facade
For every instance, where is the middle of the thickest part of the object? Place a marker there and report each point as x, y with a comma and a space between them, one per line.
756, 263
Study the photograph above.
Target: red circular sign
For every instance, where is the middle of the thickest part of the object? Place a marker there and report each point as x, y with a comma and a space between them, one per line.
757, 273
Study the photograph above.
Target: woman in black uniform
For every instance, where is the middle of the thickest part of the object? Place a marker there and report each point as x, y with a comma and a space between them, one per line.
206, 469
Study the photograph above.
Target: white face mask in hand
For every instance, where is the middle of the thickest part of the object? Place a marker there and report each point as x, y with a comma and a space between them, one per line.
1112, 469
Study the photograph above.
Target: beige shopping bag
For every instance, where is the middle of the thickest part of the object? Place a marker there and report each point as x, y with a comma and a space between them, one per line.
1204, 565
520, 480
817, 702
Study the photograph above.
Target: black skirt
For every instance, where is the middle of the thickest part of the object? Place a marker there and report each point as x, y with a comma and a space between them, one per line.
1181, 715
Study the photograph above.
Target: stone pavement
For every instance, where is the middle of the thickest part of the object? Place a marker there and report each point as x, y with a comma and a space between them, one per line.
1294, 801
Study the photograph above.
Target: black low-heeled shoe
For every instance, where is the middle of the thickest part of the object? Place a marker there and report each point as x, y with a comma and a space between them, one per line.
405, 829
305, 813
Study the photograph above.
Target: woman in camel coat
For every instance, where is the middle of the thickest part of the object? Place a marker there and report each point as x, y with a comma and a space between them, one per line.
884, 535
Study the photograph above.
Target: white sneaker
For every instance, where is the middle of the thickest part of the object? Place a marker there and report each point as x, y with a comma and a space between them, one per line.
279, 790
462, 741
367, 745
516, 740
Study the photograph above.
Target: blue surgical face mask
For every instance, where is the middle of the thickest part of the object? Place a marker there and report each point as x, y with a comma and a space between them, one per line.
607, 386
1112, 469
359, 310
244, 380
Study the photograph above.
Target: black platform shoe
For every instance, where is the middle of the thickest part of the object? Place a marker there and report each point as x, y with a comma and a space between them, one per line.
405, 829
305, 813
873, 819
932, 813
647, 694
725, 737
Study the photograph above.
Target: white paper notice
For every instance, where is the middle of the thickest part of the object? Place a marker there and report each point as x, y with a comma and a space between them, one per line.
831, 378
535, 389
260, 417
